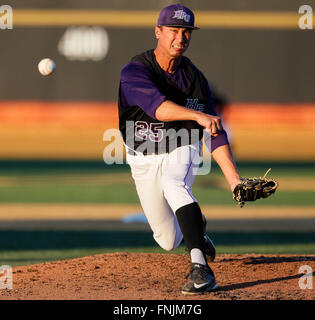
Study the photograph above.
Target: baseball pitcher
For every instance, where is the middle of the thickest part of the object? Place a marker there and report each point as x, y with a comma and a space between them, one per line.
165, 109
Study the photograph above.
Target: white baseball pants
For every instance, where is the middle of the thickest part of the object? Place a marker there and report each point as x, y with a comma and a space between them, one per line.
163, 184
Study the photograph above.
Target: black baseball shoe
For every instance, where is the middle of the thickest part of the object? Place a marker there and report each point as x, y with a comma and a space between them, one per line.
208, 243
201, 280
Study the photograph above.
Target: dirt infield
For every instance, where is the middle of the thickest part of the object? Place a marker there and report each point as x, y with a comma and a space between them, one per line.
136, 276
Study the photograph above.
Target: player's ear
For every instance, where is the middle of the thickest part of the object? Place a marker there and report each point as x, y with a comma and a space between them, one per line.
158, 32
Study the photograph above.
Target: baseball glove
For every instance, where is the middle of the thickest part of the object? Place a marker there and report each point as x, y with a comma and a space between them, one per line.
251, 189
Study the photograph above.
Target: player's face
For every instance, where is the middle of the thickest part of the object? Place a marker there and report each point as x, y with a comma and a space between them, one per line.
174, 41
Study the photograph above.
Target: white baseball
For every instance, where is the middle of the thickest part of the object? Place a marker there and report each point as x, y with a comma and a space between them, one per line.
46, 66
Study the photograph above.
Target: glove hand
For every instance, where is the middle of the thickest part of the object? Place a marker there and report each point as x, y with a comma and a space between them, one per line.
252, 189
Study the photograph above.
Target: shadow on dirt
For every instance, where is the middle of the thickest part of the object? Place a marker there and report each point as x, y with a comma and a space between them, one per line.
266, 260
262, 259
257, 282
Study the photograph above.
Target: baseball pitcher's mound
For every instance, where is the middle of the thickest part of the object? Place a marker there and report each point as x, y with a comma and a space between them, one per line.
120, 276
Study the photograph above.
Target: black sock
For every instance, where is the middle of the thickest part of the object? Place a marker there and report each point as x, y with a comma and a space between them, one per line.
190, 221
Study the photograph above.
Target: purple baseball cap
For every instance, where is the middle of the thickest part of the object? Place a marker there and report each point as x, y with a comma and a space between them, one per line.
178, 16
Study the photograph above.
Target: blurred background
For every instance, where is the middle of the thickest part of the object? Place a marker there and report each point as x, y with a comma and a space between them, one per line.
59, 199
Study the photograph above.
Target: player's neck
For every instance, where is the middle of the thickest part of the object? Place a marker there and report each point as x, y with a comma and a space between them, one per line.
167, 62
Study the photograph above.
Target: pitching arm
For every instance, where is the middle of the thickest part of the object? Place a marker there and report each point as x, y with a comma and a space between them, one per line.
224, 158
170, 111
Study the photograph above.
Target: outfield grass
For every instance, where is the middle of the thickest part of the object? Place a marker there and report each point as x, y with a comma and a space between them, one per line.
27, 257
126, 193
97, 183
93, 182
30, 167
31, 247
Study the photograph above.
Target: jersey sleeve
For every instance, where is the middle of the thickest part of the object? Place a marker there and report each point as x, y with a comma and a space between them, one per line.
138, 89
214, 142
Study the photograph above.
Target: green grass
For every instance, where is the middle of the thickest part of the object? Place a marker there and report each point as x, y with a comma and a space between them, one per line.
126, 193
31, 247
31, 167
76, 193
46, 182
28, 257
280, 198
16, 258
86, 182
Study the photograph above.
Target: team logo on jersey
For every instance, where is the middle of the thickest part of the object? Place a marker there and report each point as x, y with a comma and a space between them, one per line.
181, 14
194, 105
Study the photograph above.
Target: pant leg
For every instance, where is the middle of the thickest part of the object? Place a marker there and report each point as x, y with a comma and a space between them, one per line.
179, 172
146, 172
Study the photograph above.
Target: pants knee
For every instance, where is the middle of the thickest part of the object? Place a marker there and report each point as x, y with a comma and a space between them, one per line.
169, 243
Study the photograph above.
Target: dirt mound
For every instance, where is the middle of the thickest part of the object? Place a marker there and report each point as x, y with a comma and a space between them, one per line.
160, 276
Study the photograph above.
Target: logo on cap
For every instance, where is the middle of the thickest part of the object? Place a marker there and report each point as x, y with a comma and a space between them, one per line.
181, 14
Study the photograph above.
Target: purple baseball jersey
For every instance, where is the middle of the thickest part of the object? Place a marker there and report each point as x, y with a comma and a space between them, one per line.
138, 88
